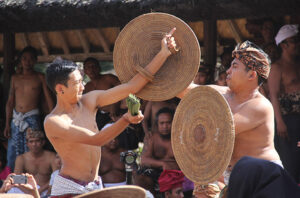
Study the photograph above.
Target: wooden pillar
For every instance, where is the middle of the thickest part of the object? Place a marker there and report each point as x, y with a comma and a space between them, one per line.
8, 59
210, 40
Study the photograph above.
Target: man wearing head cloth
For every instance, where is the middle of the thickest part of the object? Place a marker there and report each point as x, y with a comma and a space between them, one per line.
252, 112
37, 161
170, 183
284, 86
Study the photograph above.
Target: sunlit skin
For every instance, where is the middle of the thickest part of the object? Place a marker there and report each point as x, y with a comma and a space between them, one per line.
38, 162
71, 126
253, 114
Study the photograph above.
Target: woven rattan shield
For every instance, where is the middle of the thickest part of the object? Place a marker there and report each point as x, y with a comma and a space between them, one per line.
203, 135
116, 192
140, 41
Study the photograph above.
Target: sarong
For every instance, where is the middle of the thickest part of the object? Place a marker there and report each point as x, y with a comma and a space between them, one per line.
63, 185
17, 142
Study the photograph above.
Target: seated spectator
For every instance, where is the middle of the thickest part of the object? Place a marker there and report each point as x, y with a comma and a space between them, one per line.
170, 183
57, 167
221, 80
29, 188
152, 108
37, 161
157, 154
112, 170
203, 75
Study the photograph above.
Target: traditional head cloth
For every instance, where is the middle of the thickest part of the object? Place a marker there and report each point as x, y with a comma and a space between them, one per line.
32, 133
170, 179
285, 32
253, 57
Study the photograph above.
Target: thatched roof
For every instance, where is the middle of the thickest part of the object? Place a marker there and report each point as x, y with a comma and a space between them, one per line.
48, 15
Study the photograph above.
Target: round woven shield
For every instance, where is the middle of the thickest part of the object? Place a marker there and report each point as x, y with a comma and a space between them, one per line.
203, 135
116, 192
140, 41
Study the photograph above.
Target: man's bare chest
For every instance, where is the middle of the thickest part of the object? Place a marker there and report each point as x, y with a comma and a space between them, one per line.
82, 118
28, 85
162, 149
38, 166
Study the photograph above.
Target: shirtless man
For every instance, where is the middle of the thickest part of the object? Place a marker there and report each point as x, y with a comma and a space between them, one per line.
157, 154
152, 107
157, 151
284, 86
71, 126
37, 161
100, 82
22, 105
252, 112
112, 170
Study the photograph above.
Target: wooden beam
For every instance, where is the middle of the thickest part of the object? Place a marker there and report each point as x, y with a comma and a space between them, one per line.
235, 31
102, 40
64, 43
78, 57
8, 64
24, 39
210, 41
84, 42
43, 42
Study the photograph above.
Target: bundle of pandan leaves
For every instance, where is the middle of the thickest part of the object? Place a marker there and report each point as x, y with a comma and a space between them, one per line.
133, 104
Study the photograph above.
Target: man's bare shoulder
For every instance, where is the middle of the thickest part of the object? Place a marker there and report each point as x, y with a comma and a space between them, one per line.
259, 105
221, 89
49, 154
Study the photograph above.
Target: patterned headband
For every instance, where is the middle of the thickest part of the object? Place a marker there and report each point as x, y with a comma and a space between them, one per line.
253, 57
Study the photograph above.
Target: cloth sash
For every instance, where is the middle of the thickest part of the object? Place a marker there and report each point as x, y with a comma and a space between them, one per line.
18, 118
62, 186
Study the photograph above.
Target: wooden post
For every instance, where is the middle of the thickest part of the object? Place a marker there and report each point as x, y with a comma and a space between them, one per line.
8, 59
210, 40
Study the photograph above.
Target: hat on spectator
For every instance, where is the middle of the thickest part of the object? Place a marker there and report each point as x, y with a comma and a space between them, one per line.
128, 191
285, 32
170, 179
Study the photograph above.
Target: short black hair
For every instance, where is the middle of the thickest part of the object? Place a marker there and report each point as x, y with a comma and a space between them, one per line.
164, 110
30, 50
58, 73
260, 80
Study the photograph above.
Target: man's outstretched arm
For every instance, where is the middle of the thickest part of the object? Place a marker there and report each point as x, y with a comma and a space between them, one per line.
56, 127
120, 92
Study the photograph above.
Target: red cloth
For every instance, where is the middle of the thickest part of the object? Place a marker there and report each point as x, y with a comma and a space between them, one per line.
4, 173
170, 179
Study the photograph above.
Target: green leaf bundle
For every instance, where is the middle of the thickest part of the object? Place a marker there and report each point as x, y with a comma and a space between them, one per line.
133, 104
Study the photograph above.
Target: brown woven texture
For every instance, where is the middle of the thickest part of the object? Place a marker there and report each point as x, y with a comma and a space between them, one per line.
203, 135
140, 41
14, 195
116, 192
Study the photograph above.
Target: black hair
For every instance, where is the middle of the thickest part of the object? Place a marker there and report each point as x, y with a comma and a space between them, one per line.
30, 50
94, 60
164, 110
58, 73
260, 80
